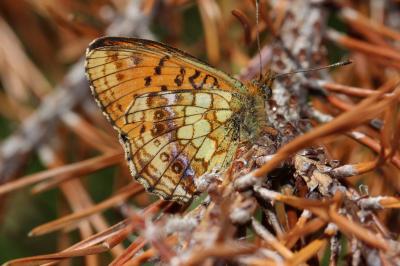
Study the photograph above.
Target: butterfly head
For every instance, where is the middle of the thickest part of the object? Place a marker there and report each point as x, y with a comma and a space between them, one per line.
263, 85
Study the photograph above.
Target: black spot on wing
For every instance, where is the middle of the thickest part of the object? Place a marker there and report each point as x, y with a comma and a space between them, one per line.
147, 81
124, 137
179, 78
157, 69
214, 82
136, 60
192, 79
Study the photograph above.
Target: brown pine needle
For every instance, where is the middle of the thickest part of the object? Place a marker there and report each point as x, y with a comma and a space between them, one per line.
72, 170
307, 252
75, 217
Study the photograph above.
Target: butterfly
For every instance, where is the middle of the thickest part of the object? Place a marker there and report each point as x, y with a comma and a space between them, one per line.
177, 117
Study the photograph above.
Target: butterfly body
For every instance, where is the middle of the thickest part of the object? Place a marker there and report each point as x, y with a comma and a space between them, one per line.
177, 117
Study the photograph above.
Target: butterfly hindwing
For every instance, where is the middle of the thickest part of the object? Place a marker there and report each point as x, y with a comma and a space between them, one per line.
175, 114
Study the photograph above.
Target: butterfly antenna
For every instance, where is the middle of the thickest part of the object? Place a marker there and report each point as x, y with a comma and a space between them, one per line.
342, 63
258, 39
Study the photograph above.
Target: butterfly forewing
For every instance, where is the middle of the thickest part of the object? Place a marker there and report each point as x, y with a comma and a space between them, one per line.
175, 115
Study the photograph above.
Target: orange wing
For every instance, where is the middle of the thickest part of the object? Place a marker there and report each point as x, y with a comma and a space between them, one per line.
176, 116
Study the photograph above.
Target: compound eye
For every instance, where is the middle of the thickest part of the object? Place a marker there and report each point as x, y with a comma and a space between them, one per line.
267, 91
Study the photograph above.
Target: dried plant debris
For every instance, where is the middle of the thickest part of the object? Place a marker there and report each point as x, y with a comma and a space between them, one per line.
318, 186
